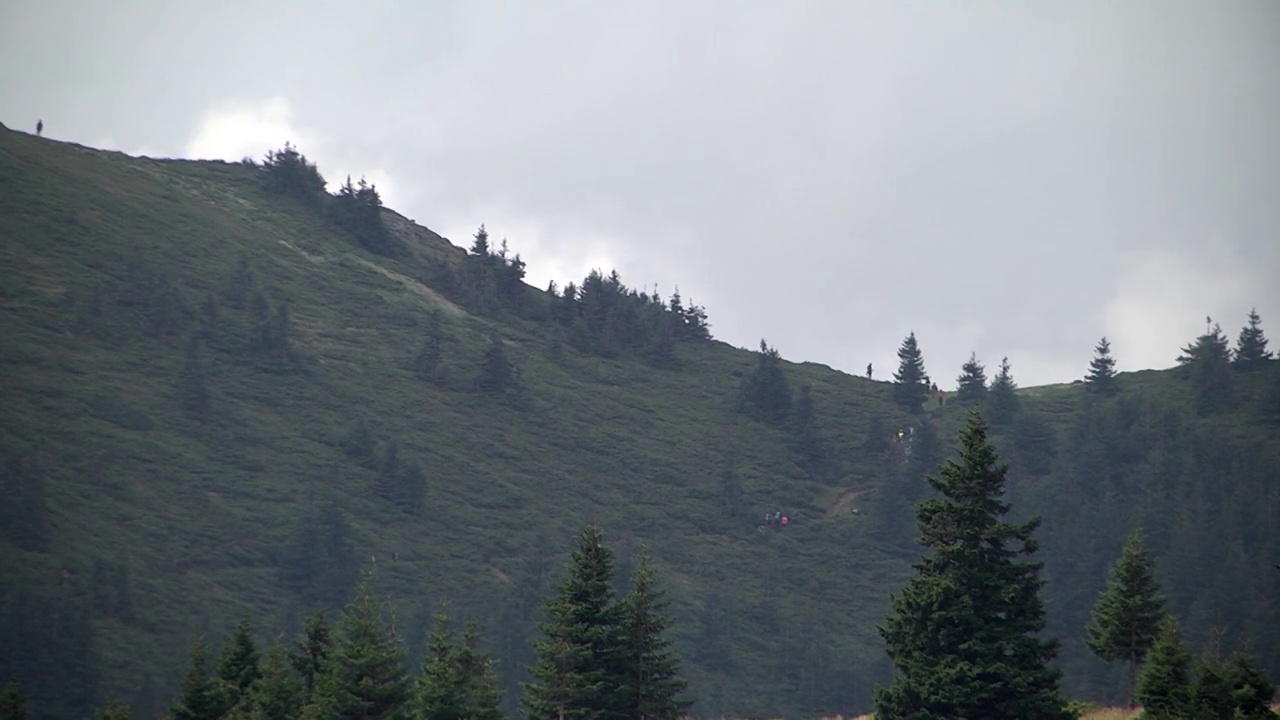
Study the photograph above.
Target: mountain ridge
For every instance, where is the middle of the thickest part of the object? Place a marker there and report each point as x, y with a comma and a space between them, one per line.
161, 523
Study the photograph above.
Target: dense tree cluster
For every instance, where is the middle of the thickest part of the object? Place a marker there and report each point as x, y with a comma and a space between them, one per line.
605, 317
601, 656
356, 208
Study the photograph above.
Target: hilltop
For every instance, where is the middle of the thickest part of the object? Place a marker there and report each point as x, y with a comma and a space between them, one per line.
221, 400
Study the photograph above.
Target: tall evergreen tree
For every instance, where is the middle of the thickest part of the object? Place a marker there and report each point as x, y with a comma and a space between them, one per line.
1165, 681
238, 665
1234, 690
481, 698
1251, 346
497, 374
653, 682
276, 694
428, 365
808, 438
1127, 615
910, 386
1002, 402
311, 653
1209, 361
363, 677
963, 633
972, 382
1102, 371
458, 682
766, 391
201, 697
578, 674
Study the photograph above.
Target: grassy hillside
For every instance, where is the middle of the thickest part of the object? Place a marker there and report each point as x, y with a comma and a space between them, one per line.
141, 522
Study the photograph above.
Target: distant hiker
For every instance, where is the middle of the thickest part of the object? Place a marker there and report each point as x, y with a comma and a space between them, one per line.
784, 520
868, 371
39, 127
900, 436
934, 388
941, 398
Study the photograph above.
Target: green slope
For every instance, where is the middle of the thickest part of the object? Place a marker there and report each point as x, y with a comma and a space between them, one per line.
158, 525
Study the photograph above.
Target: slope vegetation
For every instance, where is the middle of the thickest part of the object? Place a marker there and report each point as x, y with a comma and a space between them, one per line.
215, 404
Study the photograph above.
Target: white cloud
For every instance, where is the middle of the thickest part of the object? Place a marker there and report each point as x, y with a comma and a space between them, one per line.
234, 130
1160, 305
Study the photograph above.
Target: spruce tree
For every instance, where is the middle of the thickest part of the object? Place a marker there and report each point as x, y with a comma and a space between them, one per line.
481, 698
653, 683
497, 374
910, 386
428, 365
437, 695
972, 382
201, 697
363, 677
1208, 360
1127, 615
1102, 371
1251, 346
238, 665
1002, 402
1164, 684
963, 632
1235, 690
578, 673
276, 694
766, 391
312, 651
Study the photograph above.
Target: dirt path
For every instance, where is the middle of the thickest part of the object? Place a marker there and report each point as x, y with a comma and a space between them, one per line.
846, 497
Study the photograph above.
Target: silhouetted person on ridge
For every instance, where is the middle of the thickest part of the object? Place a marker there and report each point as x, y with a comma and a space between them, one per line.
39, 127
868, 371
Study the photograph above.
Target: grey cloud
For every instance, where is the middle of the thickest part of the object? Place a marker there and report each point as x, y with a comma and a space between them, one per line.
828, 175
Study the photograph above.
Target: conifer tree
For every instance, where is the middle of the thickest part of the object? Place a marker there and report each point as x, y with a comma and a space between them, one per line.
458, 682
1209, 359
312, 651
363, 677
1164, 684
1235, 690
1127, 614
201, 697
808, 438
1002, 402
238, 665
276, 694
653, 682
766, 391
497, 374
910, 388
963, 632
437, 693
578, 675
1102, 371
1251, 346
972, 382
481, 698
428, 364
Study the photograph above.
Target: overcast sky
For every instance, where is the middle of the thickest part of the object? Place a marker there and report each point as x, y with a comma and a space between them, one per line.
1002, 177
